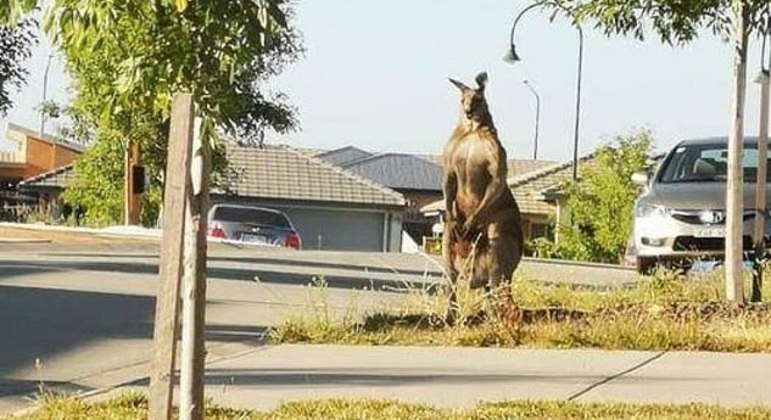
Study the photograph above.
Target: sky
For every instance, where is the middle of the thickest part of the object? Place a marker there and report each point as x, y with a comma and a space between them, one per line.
375, 75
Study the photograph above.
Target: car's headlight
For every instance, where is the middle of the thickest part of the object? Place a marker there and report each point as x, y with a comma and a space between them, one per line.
645, 209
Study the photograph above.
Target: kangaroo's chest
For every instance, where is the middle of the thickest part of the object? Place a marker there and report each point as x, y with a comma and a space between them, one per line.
471, 162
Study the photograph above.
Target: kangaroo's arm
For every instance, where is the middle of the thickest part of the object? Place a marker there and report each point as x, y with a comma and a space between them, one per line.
497, 168
450, 188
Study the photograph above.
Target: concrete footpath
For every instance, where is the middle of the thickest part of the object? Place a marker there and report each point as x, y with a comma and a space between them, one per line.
461, 377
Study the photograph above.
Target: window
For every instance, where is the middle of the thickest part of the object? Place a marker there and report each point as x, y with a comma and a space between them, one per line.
708, 163
250, 216
540, 230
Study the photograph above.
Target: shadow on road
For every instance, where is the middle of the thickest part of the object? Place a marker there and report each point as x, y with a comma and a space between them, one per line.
278, 276
42, 323
371, 377
432, 269
39, 323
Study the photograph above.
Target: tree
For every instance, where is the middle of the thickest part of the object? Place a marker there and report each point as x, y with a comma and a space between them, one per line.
11, 11
15, 48
678, 21
605, 191
127, 60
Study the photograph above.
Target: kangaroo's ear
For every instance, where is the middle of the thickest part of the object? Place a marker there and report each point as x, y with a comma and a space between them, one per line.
481, 80
459, 85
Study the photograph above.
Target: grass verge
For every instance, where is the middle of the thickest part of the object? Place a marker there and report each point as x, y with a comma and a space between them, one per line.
134, 406
660, 312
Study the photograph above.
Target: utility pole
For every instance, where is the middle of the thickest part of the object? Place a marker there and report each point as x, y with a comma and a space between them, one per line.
735, 185
45, 97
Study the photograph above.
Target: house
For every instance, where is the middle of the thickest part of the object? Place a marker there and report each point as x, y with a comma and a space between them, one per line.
332, 208
29, 155
32, 154
417, 179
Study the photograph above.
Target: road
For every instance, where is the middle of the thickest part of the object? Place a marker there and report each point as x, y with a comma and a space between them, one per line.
78, 317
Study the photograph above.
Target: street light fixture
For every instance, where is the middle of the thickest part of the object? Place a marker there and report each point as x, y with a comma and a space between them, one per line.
512, 57
537, 117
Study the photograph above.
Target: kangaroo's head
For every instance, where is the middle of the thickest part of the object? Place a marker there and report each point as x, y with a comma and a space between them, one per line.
473, 102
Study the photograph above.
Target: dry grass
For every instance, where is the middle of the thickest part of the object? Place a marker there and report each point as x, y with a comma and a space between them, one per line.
134, 407
662, 312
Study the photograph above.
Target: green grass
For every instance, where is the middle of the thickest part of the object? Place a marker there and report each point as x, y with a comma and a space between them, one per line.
134, 406
661, 312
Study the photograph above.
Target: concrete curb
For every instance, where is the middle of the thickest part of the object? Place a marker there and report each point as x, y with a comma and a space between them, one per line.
115, 231
23, 241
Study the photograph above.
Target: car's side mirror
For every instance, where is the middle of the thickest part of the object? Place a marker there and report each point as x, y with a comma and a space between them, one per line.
640, 178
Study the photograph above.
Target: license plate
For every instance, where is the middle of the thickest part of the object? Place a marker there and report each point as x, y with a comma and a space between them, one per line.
710, 233
253, 239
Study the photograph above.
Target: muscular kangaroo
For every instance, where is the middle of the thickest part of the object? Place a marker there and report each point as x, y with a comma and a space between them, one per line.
480, 211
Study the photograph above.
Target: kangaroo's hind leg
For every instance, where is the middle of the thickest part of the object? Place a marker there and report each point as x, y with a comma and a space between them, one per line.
449, 239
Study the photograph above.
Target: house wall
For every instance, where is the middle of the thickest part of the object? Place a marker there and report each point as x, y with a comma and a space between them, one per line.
43, 156
337, 228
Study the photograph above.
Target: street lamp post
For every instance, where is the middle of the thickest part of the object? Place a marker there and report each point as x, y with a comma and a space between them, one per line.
512, 57
45, 97
537, 117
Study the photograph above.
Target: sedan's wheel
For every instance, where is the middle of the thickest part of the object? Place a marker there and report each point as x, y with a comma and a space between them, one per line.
646, 265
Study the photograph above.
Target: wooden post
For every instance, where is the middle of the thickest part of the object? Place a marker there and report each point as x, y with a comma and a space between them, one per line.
760, 189
127, 185
131, 201
136, 199
194, 296
177, 185
735, 186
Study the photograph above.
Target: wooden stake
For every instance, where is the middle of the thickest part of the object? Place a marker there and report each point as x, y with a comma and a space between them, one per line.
760, 189
177, 185
194, 297
734, 243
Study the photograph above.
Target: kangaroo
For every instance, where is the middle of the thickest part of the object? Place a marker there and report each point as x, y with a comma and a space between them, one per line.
481, 215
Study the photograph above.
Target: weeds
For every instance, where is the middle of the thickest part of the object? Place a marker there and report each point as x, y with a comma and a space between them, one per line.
665, 311
133, 406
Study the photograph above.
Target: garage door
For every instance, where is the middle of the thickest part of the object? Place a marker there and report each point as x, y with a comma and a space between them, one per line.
338, 230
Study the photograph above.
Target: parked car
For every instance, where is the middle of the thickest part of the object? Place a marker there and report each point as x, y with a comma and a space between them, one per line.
252, 225
680, 217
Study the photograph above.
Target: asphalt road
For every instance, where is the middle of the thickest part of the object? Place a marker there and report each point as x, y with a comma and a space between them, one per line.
78, 318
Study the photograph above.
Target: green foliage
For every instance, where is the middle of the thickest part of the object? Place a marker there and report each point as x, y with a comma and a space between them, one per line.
674, 21
601, 203
11, 11
218, 51
98, 183
15, 48
128, 58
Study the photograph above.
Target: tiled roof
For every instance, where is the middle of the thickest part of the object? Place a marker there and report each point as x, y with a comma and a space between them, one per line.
281, 173
344, 155
57, 178
399, 171
528, 187
515, 166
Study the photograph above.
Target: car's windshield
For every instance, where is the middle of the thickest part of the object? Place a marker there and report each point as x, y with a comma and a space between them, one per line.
250, 216
708, 163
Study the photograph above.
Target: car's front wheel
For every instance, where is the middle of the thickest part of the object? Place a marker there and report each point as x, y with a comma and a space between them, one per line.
646, 265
